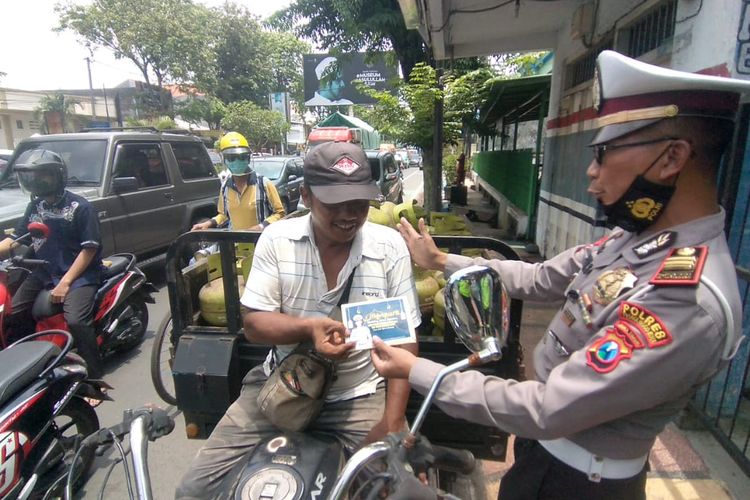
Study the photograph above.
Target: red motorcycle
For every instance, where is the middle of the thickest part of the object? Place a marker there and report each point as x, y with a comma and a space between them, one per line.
44, 417
121, 314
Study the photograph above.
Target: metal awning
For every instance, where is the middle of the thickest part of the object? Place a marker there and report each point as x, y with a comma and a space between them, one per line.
517, 100
465, 28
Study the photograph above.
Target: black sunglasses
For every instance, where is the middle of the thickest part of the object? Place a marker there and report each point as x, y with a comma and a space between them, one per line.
600, 149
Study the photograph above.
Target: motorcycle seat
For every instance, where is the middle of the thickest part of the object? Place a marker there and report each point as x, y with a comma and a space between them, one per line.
21, 364
118, 265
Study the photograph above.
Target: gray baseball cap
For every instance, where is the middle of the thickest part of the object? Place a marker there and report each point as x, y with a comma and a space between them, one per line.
339, 171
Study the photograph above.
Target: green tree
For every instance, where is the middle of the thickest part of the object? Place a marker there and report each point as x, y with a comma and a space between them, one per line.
252, 62
261, 127
168, 40
518, 64
56, 104
409, 118
465, 96
196, 109
354, 25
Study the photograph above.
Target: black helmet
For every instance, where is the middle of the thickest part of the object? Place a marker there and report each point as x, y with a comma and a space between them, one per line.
41, 172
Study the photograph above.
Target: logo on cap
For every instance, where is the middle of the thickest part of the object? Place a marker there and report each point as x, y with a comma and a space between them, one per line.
596, 91
346, 166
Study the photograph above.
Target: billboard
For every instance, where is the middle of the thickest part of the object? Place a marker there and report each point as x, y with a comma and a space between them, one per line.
278, 103
328, 78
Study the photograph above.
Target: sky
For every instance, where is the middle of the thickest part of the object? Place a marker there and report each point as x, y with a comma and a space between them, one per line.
36, 58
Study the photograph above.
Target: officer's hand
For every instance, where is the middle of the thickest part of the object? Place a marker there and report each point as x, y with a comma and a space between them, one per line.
424, 252
330, 338
59, 292
391, 362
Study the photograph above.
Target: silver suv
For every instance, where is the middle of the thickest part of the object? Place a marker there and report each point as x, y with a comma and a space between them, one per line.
147, 187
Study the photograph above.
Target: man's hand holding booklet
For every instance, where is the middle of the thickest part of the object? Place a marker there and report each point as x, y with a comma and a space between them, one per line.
385, 318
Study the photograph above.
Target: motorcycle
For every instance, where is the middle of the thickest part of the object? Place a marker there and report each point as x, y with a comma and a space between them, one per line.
121, 314
43, 416
290, 466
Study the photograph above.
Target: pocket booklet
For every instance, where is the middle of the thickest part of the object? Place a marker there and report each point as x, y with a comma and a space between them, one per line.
386, 318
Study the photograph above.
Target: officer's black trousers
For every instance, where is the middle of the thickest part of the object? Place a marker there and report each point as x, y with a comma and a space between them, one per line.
537, 474
78, 309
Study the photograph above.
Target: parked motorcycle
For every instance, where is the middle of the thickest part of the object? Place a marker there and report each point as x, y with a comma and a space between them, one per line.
289, 466
43, 416
121, 314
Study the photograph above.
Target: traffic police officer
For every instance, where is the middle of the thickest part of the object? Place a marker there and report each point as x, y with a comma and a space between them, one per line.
649, 313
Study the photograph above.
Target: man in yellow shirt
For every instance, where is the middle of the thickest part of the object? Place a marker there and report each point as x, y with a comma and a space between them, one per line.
241, 204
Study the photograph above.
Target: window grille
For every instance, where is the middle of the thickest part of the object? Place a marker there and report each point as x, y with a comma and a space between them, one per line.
652, 29
582, 69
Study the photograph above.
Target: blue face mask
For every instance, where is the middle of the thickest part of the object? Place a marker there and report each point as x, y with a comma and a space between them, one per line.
239, 167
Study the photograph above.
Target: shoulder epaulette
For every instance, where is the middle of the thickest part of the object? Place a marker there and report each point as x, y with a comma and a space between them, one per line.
682, 267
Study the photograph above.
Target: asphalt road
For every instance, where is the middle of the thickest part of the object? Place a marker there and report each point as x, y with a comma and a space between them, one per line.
129, 374
169, 456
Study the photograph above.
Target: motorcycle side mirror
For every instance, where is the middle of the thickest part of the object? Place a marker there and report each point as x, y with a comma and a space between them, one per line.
478, 308
38, 230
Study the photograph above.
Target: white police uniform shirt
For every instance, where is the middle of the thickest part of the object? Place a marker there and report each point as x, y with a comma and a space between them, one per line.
287, 276
609, 378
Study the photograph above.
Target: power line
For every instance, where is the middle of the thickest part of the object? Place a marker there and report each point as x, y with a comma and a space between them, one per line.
478, 10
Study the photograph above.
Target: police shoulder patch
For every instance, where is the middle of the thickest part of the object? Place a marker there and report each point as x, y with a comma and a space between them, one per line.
605, 354
682, 267
650, 326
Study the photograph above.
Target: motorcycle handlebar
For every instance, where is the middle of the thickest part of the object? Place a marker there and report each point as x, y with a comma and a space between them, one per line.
143, 424
420, 455
157, 423
461, 461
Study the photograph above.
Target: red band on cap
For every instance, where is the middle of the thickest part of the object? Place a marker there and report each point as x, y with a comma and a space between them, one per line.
703, 102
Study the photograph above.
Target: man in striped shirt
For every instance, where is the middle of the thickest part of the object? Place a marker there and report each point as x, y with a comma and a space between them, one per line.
301, 269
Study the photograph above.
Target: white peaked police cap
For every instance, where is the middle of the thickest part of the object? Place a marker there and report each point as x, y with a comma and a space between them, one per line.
630, 95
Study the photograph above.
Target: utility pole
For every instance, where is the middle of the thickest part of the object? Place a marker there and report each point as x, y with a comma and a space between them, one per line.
106, 104
91, 89
436, 189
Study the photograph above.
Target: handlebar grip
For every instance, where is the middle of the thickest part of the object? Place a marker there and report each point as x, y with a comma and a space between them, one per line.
161, 424
461, 461
157, 422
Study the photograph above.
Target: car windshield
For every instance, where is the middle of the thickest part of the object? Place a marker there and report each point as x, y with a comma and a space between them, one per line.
84, 158
270, 169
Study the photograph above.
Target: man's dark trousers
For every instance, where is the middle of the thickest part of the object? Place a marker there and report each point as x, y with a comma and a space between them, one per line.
78, 309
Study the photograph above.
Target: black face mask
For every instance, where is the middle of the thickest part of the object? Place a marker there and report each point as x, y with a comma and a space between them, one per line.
642, 203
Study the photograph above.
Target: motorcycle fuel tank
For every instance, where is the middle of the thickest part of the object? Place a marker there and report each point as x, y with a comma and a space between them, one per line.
288, 466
